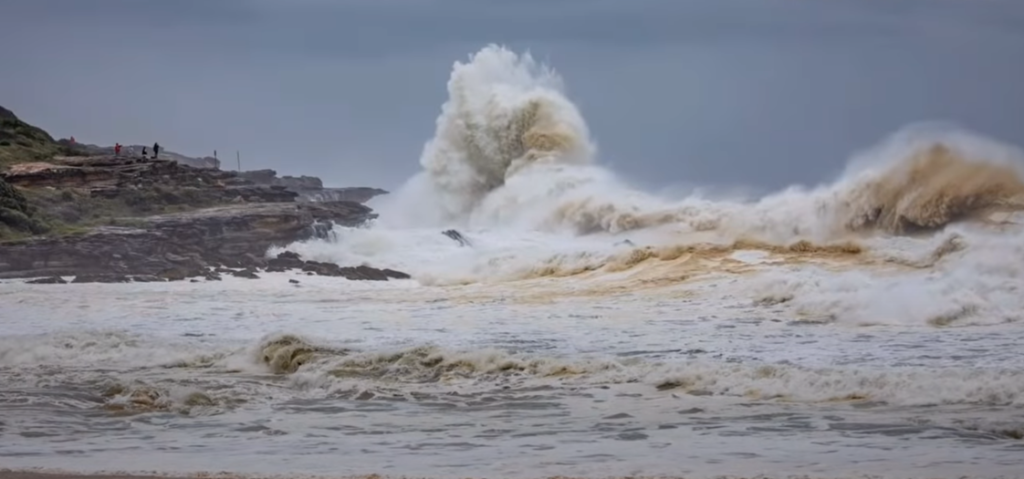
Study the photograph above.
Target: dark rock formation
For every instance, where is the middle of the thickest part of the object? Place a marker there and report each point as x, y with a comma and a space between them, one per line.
48, 280
352, 272
286, 261
177, 246
247, 273
101, 278
269, 177
146, 278
311, 188
455, 235
359, 194
289, 261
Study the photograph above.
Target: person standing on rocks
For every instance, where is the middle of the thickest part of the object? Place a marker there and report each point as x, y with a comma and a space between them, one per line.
156, 150
117, 149
143, 151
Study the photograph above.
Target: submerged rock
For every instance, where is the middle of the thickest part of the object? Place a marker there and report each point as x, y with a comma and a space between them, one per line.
246, 273
48, 280
289, 260
455, 235
101, 278
147, 278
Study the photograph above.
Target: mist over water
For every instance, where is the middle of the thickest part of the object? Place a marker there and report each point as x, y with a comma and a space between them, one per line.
870, 324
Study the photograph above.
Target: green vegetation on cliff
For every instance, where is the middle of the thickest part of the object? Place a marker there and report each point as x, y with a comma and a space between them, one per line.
64, 211
61, 211
70, 189
21, 142
16, 216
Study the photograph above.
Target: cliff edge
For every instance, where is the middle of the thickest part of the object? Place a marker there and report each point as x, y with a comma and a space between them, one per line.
75, 210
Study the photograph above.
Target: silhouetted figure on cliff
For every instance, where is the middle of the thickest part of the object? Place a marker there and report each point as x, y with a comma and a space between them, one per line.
156, 150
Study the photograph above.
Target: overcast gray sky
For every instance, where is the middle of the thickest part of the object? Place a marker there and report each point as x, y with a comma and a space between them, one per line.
760, 93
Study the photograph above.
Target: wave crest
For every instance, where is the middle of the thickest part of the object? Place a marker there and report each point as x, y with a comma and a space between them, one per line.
512, 165
504, 113
512, 151
931, 188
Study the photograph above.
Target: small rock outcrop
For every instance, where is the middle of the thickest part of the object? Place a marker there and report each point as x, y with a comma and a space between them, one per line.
48, 280
311, 188
289, 260
359, 194
455, 235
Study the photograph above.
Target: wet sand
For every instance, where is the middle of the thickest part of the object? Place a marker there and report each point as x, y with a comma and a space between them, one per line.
9, 474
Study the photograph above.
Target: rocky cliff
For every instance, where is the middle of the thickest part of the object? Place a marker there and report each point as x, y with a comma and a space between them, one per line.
136, 151
102, 217
142, 183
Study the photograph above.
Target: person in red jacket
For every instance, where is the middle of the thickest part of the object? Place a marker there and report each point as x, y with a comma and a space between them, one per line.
117, 149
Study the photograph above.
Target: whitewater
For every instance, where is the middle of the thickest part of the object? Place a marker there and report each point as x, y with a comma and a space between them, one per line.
869, 325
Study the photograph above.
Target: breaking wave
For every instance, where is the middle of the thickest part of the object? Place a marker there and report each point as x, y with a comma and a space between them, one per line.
218, 380
416, 369
512, 151
512, 165
214, 381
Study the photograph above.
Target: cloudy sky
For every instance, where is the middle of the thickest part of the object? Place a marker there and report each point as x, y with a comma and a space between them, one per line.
759, 93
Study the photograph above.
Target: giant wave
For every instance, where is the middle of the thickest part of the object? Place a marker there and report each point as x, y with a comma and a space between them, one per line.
512, 164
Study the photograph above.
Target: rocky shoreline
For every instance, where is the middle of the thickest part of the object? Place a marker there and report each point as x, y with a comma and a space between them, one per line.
187, 245
118, 218
180, 268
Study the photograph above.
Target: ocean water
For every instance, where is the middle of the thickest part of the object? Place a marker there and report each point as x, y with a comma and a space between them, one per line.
867, 326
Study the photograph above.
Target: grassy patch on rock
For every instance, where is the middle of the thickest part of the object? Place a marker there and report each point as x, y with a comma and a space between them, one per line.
17, 217
63, 212
22, 142
67, 212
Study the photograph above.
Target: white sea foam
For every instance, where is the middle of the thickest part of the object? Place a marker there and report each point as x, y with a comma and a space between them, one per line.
513, 167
